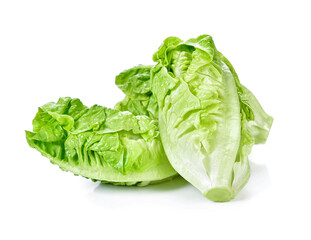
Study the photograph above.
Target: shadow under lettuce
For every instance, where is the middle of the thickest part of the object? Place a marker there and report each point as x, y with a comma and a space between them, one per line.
179, 188
174, 183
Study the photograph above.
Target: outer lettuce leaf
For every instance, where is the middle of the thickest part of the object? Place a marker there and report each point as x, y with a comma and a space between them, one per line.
258, 121
244, 103
255, 128
204, 115
100, 143
260, 126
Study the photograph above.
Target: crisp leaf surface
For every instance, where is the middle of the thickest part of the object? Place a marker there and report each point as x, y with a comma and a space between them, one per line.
100, 143
205, 116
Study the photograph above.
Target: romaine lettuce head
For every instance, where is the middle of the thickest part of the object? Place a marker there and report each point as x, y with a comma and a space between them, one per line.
208, 121
100, 143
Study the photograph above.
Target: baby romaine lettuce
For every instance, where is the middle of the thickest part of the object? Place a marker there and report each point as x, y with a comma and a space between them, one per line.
100, 143
208, 121
255, 123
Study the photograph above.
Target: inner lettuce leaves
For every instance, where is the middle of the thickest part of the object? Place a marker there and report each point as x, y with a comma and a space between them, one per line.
208, 121
136, 85
99, 143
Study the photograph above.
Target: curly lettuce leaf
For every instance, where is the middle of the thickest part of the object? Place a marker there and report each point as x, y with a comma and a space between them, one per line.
204, 115
100, 143
135, 82
139, 100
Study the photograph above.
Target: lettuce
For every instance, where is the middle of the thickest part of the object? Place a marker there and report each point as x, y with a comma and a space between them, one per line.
143, 102
136, 85
100, 143
188, 114
208, 121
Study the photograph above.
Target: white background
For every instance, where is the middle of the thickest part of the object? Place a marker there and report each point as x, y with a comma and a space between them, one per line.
51, 49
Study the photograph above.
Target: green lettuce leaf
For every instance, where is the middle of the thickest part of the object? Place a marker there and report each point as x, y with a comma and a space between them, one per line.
260, 126
258, 121
139, 100
100, 143
135, 82
207, 119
